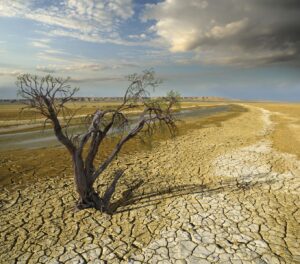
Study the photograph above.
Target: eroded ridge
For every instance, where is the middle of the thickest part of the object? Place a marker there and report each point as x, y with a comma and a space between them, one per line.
216, 195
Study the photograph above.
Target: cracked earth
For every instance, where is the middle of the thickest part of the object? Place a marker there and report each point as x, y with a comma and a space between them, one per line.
215, 195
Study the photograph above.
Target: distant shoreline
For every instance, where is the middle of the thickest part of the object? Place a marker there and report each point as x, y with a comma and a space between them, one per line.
118, 99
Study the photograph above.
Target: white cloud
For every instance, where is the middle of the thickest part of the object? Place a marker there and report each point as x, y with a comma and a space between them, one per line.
41, 43
12, 8
54, 51
227, 30
74, 67
97, 79
121, 8
51, 56
138, 37
75, 34
185, 24
88, 20
10, 72
69, 64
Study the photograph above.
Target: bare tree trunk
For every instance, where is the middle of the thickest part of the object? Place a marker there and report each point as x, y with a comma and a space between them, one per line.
88, 198
49, 96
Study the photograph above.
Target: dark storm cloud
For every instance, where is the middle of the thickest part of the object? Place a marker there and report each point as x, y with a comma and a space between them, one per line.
234, 31
281, 4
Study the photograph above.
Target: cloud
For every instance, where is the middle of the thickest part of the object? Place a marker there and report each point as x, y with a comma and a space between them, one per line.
121, 8
96, 79
54, 68
89, 20
10, 72
85, 66
229, 32
54, 51
2, 49
41, 43
138, 37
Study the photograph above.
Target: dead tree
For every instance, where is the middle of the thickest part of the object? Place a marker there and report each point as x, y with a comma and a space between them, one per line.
49, 95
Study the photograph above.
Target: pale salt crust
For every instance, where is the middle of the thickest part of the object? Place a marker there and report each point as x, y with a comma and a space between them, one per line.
254, 162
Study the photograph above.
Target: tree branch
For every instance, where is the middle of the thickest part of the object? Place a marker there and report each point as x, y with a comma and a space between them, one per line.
117, 149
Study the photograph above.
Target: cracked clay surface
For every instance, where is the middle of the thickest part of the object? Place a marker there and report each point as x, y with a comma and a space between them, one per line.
216, 195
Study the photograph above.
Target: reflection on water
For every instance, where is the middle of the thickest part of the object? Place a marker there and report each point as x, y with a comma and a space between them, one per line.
46, 137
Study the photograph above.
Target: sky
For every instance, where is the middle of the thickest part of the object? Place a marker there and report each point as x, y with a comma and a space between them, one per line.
237, 49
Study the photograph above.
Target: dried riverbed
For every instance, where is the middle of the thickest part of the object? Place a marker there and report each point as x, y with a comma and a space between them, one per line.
219, 194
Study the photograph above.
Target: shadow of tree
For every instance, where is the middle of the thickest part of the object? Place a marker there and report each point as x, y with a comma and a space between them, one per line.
132, 200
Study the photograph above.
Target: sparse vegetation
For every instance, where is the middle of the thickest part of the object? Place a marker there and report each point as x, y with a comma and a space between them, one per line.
49, 95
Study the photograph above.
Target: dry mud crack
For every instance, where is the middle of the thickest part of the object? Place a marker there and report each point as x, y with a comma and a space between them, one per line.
216, 195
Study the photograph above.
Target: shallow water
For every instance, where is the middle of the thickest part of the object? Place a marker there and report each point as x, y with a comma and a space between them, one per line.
46, 137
